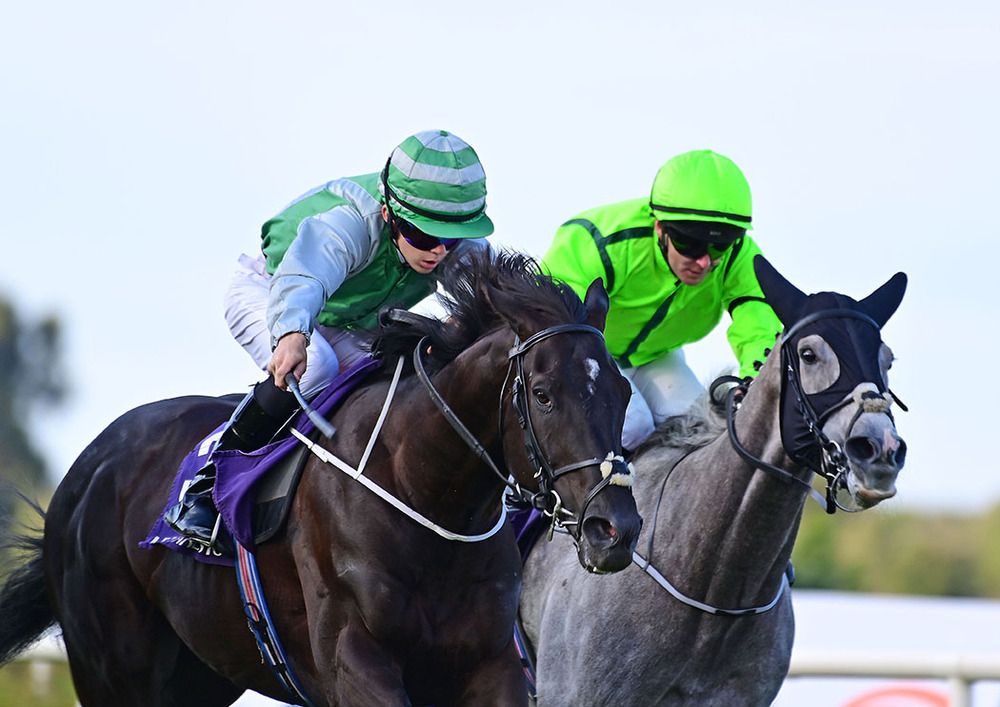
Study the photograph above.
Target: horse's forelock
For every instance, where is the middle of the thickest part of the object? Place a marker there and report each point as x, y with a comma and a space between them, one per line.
496, 288
491, 289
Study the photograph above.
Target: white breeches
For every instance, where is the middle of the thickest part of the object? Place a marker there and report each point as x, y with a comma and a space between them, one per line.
660, 389
329, 349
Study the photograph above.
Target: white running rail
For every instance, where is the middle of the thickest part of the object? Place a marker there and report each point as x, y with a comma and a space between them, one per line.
959, 670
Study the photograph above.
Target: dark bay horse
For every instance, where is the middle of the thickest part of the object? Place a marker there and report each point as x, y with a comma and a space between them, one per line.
722, 511
373, 609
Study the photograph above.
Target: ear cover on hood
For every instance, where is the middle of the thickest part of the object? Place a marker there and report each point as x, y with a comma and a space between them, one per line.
785, 298
883, 302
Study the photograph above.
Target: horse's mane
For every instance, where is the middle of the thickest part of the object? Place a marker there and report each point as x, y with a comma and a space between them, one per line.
486, 290
703, 422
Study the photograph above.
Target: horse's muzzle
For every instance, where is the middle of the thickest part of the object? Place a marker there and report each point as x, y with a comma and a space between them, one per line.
606, 546
875, 464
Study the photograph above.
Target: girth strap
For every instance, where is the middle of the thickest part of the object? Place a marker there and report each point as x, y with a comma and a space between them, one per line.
262, 626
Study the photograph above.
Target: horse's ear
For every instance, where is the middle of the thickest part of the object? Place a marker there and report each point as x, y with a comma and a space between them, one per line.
597, 304
883, 302
785, 298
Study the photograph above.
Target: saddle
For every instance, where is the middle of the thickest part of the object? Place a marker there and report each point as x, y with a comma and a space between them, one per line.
253, 490
275, 492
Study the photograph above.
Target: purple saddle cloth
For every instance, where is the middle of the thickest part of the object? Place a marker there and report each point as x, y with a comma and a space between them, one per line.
529, 525
237, 472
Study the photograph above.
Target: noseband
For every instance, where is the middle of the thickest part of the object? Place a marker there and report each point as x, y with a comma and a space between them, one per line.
833, 465
614, 470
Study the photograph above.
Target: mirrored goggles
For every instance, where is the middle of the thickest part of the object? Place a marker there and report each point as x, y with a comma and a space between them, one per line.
420, 240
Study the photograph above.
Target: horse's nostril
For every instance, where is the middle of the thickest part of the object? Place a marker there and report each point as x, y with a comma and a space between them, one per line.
599, 532
898, 457
861, 449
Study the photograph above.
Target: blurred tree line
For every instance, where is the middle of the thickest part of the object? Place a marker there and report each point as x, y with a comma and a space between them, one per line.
31, 380
887, 551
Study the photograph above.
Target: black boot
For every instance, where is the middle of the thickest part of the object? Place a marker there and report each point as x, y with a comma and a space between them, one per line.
256, 420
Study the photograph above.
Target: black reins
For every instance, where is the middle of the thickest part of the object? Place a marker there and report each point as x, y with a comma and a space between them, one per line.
546, 499
833, 463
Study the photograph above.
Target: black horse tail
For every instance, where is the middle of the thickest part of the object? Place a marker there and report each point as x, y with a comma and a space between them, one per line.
25, 613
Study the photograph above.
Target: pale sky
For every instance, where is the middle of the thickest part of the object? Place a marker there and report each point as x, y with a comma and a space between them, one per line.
142, 145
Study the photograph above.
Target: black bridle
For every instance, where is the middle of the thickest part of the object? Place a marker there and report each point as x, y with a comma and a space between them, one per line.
832, 462
546, 499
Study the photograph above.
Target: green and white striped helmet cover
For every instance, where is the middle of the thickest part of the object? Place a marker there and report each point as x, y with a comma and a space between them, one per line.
436, 182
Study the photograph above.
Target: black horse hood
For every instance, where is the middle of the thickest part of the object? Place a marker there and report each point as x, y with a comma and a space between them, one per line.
856, 340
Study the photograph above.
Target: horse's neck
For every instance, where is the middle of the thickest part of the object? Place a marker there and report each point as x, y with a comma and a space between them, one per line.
730, 527
433, 467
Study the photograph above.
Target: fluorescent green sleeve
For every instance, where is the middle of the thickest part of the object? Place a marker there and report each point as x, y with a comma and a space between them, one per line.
574, 259
755, 325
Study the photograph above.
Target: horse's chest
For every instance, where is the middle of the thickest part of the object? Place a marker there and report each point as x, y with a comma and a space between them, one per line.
446, 614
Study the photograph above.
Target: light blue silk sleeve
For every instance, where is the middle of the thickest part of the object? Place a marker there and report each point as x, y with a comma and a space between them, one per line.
328, 249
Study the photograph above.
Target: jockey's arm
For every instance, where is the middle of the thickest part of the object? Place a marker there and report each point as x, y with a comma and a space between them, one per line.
754, 324
574, 259
327, 249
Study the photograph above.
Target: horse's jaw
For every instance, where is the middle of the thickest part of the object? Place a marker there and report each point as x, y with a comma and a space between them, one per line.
608, 564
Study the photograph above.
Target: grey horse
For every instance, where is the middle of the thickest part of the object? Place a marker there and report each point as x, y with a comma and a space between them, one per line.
709, 621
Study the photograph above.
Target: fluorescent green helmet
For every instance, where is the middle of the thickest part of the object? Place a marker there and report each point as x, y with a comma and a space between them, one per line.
701, 185
435, 181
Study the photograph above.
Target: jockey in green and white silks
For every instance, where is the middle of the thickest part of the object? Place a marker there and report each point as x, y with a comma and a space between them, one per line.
329, 262
672, 264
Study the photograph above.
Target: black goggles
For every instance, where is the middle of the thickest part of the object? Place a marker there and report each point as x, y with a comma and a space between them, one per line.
418, 239
694, 248
690, 239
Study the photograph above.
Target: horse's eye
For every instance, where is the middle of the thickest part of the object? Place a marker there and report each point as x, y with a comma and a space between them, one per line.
541, 397
808, 356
